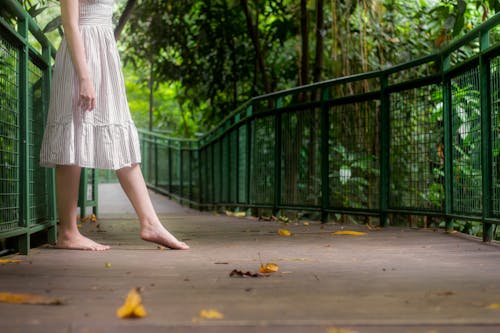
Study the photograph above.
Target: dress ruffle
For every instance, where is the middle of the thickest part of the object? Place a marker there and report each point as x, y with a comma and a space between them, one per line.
89, 145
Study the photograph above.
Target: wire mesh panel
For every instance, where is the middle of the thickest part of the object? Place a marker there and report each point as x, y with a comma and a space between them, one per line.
233, 165
38, 187
466, 131
225, 168
262, 161
175, 173
9, 138
163, 165
354, 156
217, 181
186, 172
495, 132
301, 158
417, 149
242, 164
195, 175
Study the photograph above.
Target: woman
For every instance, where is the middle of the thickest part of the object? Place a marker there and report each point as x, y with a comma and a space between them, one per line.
89, 123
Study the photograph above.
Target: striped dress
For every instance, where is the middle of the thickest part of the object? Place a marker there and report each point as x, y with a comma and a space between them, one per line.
106, 137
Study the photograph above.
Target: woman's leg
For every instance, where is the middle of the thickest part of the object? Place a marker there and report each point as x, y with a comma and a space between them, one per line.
152, 230
69, 237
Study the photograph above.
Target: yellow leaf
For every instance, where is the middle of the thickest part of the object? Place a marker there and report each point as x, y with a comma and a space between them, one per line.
211, 314
229, 213
28, 299
349, 232
269, 268
306, 223
107, 265
240, 214
340, 330
9, 261
493, 306
284, 232
132, 308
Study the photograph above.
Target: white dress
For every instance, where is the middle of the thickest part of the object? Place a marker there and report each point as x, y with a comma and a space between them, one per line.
105, 138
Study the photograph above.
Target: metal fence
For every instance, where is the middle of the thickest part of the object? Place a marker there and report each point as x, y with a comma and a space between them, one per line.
420, 138
27, 204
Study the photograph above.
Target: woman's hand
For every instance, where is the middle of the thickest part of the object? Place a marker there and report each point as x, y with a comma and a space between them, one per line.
87, 98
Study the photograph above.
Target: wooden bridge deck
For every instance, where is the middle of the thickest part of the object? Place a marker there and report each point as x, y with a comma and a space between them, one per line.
393, 280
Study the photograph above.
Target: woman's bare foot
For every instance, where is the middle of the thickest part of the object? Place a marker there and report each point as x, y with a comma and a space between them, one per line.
77, 241
156, 233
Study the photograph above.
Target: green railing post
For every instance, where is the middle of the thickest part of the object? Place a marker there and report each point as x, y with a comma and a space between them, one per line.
169, 149
384, 149
156, 162
248, 124
181, 171
484, 76
190, 172
277, 156
24, 127
448, 143
49, 172
82, 193
325, 155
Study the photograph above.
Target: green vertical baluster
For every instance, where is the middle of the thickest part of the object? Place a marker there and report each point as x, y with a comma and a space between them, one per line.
49, 172
156, 162
484, 77
384, 149
95, 196
82, 192
181, 171
277, 156
448, 143
24, 160
325, 155
169, 155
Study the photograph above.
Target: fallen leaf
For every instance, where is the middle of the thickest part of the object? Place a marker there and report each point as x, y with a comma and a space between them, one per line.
28, 299
284, 232
269, 268
161, 248
371, 227
349, 232
264, 218
340, 330
132, 308
107, 265
91, 218
236, 214
284, 219
221, 263
211, 314
10, 261
494, 306
238, 273
305, 223
451, 231
445, 293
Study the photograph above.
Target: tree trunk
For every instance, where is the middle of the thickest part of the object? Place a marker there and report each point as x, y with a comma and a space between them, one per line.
304, 33
319, 59
129, 7
253, 31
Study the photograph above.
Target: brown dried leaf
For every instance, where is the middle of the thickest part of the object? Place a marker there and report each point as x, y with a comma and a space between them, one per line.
28, 299
238, 273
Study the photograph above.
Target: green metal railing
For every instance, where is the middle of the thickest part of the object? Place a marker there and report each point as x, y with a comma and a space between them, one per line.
27, 202
420, 138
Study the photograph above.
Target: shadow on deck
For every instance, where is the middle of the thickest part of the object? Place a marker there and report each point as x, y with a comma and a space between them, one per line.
393, 280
